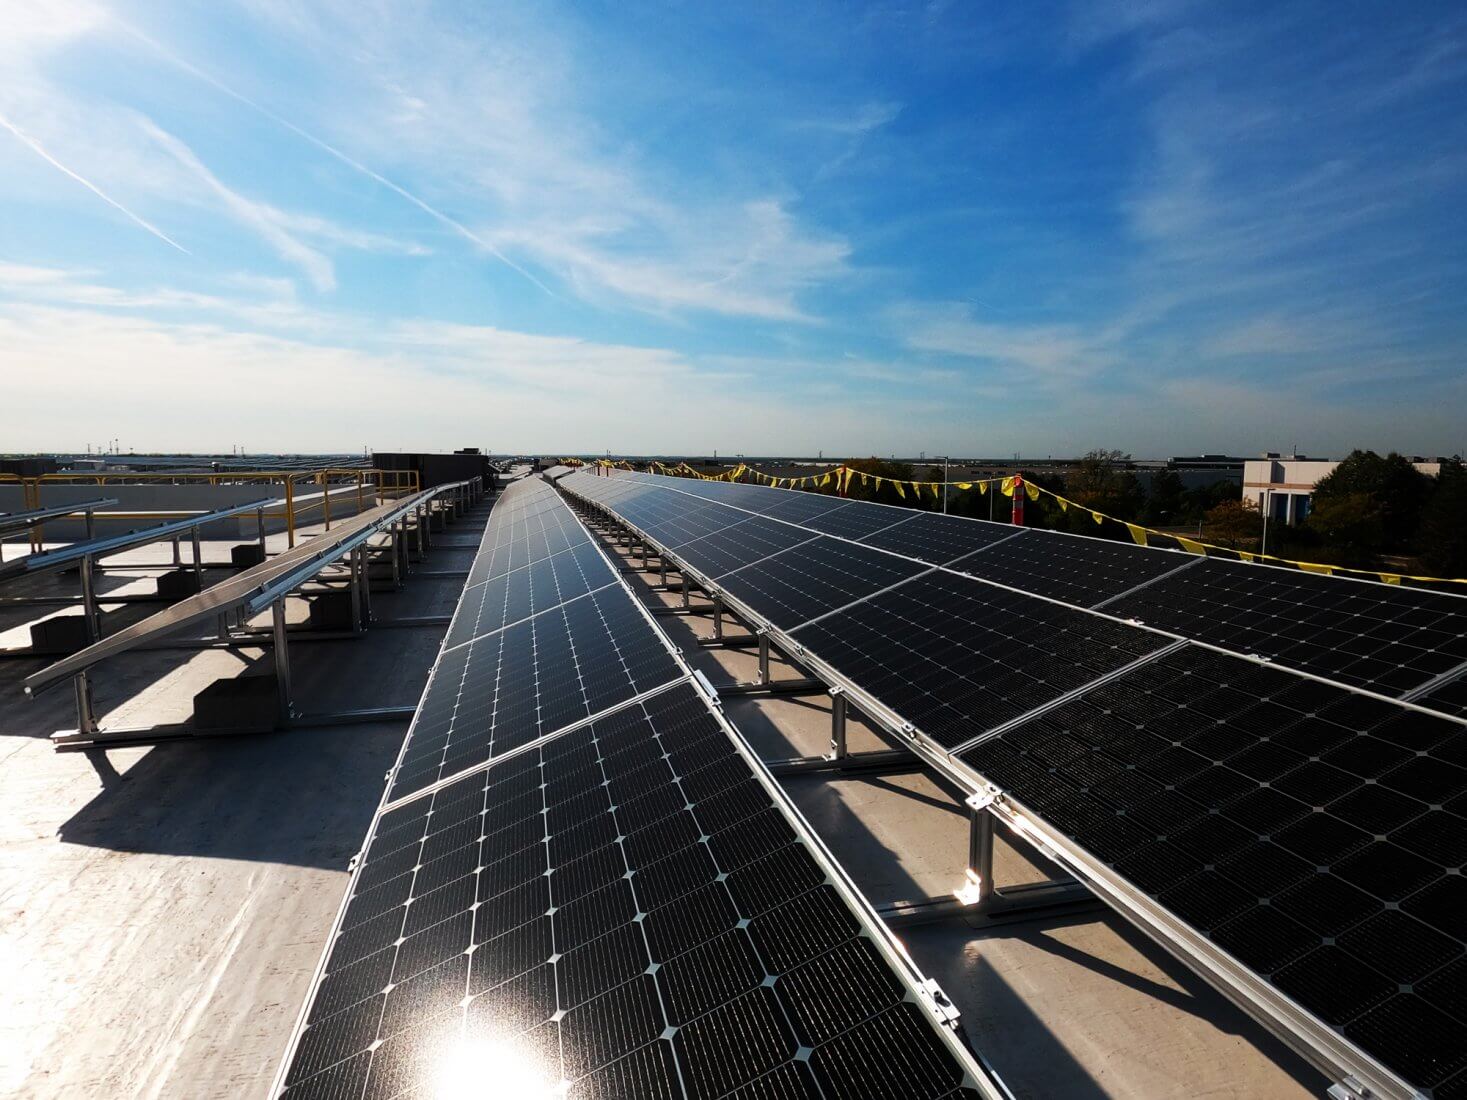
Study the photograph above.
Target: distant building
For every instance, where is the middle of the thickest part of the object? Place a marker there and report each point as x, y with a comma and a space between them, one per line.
1283, 485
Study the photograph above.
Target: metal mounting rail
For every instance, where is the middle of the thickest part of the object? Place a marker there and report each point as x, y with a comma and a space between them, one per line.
11, 522
51, 560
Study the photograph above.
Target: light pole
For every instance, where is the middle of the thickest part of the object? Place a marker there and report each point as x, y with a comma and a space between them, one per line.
944, 484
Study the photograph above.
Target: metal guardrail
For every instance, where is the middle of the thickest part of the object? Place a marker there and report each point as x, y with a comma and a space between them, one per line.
371, 486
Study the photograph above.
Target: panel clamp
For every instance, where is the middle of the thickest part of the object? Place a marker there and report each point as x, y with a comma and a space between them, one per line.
1351, 1088
707, 686
942, 1009
983, 799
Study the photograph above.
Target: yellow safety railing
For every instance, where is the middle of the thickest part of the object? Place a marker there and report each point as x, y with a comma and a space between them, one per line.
371, 485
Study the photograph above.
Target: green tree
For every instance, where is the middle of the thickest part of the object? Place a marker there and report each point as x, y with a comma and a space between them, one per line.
1443, 532
1351, 526
1236, 524
1395, 488
1164, 501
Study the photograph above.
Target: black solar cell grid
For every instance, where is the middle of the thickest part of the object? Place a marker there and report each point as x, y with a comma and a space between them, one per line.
741, 545
522, 539
1323, 850
814, 578
505, 690
956, 657
795, 506
938, 539
700, 520
1449, 698
1384, 637
857, 519
476, 943
513, 596
1081, 571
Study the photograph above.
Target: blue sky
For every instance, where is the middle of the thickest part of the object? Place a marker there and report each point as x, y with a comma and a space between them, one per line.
976, 228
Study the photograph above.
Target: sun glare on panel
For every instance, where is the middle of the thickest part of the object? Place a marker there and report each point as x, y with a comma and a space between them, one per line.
494, 1068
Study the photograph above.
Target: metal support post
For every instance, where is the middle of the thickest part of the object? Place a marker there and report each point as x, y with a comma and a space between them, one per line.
282, 658
177, 553
980, 854
91, 523
718, 618
198, 555
86, 718
260, 520
366, 584
837, 723
396, 576
662, 571
763, 656
90, 611
687, 604
418, 524
354, 565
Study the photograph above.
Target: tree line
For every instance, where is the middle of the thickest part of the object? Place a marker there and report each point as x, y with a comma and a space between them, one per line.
1371, 512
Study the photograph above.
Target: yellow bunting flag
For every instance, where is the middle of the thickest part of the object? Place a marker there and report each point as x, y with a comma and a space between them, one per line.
1007, 486
1097, 517
982, 487
1031, 489
1315, 567
900, 491
1137, 533
1390, 578
936, 493
965, 484
1192, 547
1063, 503
1245, 555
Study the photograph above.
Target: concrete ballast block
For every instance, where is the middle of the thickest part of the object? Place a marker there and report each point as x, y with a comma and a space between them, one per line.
250, 702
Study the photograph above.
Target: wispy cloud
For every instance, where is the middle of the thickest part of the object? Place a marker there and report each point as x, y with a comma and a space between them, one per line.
264, 219
40, 151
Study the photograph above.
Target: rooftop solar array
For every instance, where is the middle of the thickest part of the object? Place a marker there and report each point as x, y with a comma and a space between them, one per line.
581, 883
1302, 838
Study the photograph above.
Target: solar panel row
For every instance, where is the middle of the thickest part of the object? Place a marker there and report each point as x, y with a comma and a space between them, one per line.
611, 902
1385, 638
1313, 834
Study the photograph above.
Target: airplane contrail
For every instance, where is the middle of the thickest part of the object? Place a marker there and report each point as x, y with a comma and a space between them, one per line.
458, 227
40, 151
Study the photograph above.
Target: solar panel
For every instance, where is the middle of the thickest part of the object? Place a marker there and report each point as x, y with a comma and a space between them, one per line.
1385, 637
1314, 834
1450, 697
1082, 571
505, 690
956, 657
510, 597
938, 539
814, 578
858, 519
623, 911
795, 506
740, 545
697, 522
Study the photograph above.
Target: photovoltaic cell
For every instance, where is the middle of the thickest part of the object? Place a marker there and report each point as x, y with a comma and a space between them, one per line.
502, 691
1077, 570
621, 912
938, 539
796, 507
741, 545
1384, 637
1449, 698
518, 595
814, 578
1316, 835
857, 519
957, 657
